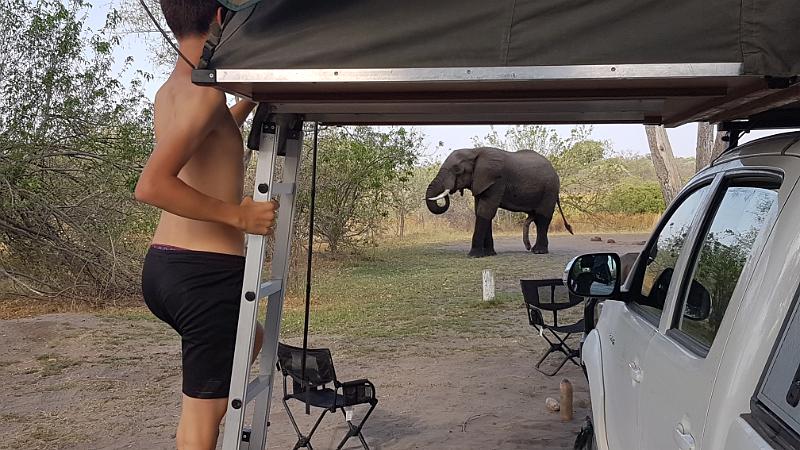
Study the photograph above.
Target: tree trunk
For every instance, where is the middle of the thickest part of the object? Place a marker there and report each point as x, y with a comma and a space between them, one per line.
663, 161
705, 145
719, 145
709, 146
402, 223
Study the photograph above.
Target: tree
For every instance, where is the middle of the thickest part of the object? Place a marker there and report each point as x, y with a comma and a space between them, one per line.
523, 137
709, 145
631, 197
408, 195
356, 169
72, 140
134, 20
663, 161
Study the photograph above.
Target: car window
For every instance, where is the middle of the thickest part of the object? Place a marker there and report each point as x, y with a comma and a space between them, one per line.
727, 244
663, 255
779, 392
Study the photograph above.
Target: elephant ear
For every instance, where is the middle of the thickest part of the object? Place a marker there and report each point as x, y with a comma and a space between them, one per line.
488, 170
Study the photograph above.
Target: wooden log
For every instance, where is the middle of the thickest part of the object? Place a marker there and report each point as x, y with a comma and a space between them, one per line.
566, 400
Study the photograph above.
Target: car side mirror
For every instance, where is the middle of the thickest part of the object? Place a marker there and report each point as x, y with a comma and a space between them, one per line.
698, 303
594, 275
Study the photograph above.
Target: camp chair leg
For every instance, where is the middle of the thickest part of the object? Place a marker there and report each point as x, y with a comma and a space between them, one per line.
356, 430
321, 416
553, 348
560, 346
567, 350
560, 366
302, 440
363, 442
546, 354
557, 369
291, 419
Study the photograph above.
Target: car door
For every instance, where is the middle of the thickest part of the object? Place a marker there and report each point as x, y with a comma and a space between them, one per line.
625, 328
682, 358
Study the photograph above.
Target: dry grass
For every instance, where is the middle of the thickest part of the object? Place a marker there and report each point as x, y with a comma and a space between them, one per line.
22, 307
581, 223
609, 223
419, 235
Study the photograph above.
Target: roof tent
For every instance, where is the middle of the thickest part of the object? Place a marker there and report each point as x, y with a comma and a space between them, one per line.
476, 61
512, 61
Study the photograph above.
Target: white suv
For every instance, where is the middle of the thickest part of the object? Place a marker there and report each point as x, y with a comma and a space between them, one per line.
700, 347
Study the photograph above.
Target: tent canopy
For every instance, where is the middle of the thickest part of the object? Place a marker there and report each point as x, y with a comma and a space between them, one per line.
512, 61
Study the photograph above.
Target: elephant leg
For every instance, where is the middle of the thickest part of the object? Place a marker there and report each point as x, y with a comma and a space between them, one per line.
526, 227
488, 243
542, 224
485, 210
483, 228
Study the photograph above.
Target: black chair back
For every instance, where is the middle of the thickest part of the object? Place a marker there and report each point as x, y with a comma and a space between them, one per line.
319, 365
548, 294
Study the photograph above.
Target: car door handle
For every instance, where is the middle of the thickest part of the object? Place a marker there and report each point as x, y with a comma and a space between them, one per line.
636, 371
684, 440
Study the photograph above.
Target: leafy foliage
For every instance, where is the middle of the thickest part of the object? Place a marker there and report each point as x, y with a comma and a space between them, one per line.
357, 169
408, 194
633, 197
72, 139
135, 21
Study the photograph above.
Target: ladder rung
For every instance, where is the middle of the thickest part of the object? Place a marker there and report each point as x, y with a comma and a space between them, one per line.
268, 288
256, 387
283, 188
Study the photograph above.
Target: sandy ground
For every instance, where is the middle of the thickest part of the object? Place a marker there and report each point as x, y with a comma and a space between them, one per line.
87, 381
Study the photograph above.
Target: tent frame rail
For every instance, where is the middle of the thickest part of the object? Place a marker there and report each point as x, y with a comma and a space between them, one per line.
668, 94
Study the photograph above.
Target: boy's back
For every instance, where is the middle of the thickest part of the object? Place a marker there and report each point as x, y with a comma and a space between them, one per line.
216, 168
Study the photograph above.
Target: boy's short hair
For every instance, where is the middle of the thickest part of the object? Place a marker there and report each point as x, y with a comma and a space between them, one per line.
189, 17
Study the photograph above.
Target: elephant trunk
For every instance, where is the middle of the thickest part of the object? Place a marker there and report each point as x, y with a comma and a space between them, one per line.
435, 192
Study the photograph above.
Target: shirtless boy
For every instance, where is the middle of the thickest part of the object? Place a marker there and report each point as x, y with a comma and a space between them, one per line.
193, 272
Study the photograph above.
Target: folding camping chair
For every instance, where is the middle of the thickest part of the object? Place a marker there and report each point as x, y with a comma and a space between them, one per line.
556, 298
313, 389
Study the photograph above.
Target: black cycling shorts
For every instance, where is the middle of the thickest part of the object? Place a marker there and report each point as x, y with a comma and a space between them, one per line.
197, 293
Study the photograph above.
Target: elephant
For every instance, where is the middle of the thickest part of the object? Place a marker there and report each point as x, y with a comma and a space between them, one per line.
522, 181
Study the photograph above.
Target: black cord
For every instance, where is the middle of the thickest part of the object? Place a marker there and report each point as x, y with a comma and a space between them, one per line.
310, 259
166, 36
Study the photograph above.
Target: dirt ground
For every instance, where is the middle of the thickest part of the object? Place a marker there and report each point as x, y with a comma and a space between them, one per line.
99, 381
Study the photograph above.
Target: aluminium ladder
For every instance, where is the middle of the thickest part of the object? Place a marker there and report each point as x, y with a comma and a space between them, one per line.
281, 135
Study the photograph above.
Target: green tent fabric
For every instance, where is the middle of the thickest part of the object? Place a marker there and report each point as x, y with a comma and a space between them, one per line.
314, 34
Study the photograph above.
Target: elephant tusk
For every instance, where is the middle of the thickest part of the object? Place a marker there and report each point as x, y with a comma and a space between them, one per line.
440, 196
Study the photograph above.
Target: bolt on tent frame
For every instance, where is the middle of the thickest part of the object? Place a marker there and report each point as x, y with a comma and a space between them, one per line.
382, 62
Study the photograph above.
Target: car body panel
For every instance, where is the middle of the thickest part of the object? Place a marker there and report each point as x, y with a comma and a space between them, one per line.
713, 390
593, 361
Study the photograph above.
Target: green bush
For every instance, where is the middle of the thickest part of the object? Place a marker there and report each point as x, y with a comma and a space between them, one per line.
635, 197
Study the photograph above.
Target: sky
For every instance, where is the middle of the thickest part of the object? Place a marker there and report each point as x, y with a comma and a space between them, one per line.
624, 138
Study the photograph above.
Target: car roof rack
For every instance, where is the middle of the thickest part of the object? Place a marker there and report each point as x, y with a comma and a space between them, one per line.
774, 119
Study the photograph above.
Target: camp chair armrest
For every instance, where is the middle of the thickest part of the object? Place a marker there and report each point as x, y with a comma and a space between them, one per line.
359, 382
356, 392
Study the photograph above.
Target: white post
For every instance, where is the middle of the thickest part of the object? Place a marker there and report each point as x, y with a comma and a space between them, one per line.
488, 285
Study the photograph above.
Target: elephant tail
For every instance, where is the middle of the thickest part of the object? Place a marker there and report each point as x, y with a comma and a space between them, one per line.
566, 225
